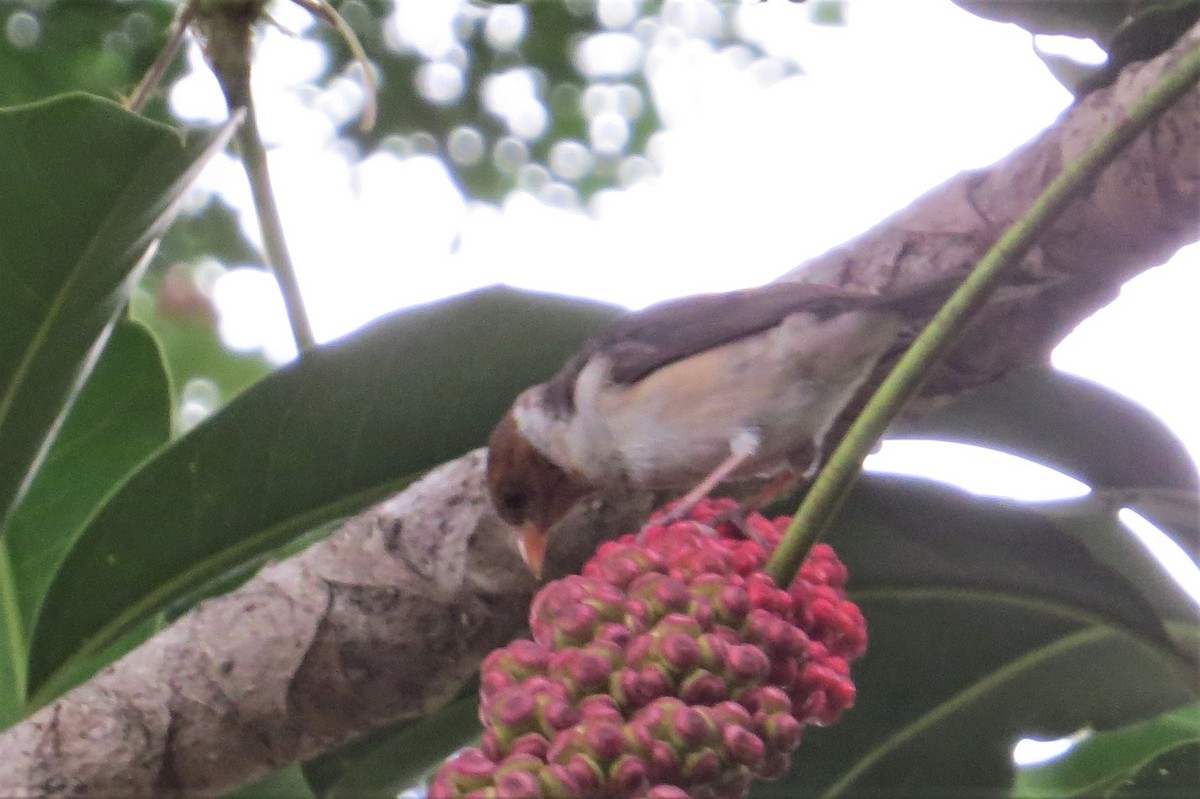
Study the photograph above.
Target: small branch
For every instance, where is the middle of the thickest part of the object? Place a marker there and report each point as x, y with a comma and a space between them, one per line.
835, 480
321, 9
149, 82
254, 157
226, 34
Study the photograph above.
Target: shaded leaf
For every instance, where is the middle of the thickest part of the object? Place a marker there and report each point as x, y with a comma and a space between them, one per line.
1094, 19
122, 416
319, 439
1080, 428
395, 758
1175, 774
287, 783
87, 186
1176, 513
986, 624
1093, 521
1106, 760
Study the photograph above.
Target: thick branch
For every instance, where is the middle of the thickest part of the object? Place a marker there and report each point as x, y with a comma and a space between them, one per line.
390, 616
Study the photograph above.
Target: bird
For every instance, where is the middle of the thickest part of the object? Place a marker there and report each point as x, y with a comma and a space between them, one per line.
694, 392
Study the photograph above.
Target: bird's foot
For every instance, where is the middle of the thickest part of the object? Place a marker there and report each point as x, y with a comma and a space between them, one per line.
734, 514
738, 517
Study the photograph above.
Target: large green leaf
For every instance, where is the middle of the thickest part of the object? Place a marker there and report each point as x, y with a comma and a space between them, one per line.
987, 623
87, 186
122, 416
1104, 761
1073, 425
319, 439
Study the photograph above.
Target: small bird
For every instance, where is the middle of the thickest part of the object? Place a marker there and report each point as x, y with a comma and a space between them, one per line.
694, 392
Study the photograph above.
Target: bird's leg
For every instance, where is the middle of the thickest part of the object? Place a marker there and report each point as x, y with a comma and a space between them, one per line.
777, 486
783, 483
741, 448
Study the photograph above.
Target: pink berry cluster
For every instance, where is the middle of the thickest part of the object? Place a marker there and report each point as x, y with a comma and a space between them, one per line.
672, 667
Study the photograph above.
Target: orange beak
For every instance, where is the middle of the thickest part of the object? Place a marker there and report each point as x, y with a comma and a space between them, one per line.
531, 542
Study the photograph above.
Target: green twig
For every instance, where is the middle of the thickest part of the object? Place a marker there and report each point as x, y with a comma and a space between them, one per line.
835, 480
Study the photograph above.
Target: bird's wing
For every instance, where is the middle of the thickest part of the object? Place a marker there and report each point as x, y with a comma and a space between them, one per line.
644, 342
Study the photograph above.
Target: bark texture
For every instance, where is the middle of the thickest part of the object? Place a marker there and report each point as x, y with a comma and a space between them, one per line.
390, 616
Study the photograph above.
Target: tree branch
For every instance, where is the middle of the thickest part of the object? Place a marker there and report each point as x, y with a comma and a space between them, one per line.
390, 616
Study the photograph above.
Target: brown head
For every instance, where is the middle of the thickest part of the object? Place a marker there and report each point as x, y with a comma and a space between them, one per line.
528, 490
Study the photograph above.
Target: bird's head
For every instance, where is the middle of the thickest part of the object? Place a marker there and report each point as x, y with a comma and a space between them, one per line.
529, 491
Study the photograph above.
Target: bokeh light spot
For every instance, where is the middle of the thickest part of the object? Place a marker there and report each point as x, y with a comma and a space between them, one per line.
609, 132
440, 82
609, 54
509, 154
570, 159
505, 27
465, 145
23, 30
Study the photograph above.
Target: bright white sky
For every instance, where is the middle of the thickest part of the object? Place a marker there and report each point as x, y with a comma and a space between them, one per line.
755, 174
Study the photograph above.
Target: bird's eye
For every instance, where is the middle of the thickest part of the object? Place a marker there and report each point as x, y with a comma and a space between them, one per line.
513, 499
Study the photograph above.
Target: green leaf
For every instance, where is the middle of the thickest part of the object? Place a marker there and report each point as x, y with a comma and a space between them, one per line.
1078, 427
986, 624
319, 439
395, 758
287, 783
122, 416
87, 186
12, 639
1106, 760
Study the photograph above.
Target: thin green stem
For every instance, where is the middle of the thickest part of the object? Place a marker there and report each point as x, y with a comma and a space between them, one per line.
835, 480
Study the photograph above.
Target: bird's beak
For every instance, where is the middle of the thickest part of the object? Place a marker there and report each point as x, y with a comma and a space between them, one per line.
531, 542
